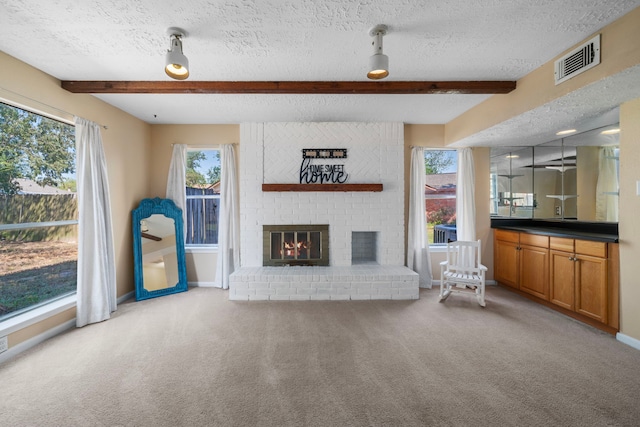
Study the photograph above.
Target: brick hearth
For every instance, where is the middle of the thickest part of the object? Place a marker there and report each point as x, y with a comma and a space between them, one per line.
362, 282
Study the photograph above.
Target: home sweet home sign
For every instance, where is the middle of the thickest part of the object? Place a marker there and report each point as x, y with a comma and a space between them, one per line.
312, 171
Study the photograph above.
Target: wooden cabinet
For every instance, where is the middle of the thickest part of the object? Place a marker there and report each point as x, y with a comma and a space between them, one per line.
534, 265
562, 279
506, 258
522, 262
578, 277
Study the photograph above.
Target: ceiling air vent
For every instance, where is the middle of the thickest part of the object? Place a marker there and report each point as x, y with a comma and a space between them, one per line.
578, 60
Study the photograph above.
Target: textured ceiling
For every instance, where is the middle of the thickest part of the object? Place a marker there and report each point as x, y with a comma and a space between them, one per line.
298, 40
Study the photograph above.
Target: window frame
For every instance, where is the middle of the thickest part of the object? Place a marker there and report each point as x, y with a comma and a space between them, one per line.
27, 316
201, 247
441, 247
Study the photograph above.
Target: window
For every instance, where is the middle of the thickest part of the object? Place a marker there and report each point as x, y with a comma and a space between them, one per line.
38, 211
440, 194
203, 197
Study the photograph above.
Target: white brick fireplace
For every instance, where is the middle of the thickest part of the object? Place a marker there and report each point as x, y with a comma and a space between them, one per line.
271, 153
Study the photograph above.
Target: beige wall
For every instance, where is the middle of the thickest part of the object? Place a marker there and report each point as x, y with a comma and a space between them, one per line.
201, 266
629, 225
126, 142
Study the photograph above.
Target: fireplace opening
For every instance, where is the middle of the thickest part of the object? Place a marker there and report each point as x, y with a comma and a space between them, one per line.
364, 247
295, 245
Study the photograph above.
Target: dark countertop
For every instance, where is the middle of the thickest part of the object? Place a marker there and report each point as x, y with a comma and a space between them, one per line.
599, 232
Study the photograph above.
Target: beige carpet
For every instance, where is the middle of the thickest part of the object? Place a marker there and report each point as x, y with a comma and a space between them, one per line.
197, 359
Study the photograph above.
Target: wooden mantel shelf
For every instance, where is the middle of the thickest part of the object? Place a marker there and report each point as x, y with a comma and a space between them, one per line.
322, 187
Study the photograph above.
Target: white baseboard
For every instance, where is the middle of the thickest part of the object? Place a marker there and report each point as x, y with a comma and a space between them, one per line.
626, 339
202, 285
26, 345
125, 297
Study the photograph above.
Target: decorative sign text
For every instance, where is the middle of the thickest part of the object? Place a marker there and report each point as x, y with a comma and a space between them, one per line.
320, 174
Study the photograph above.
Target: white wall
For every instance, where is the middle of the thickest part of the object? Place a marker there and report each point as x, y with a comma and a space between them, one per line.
272, 153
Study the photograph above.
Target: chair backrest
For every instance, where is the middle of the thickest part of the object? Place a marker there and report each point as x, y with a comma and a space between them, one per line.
464, 256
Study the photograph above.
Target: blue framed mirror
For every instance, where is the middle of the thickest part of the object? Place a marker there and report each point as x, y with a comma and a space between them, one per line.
158, 249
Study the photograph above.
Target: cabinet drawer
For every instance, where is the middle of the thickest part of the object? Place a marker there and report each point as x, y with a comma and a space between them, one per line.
587, 247
507, 236
561, 244
534, 240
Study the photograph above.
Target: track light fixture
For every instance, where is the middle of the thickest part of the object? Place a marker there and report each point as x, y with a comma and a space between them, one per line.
378, 62
176, 64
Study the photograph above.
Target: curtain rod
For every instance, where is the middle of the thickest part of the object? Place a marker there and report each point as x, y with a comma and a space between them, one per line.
435, 148
204, 146
45, 105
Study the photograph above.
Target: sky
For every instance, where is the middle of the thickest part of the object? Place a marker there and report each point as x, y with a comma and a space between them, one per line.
454, 166
210, 161
453, 155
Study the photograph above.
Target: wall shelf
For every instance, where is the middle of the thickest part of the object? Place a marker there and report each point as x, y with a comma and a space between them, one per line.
561, 169
562, 196
323, 187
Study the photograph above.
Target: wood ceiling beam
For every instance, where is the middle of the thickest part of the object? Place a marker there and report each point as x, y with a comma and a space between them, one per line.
291, 87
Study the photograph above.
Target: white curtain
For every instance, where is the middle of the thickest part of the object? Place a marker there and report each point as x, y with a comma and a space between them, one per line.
607, 186
465, 196
229, 219
96, 260
418, 257
177, 181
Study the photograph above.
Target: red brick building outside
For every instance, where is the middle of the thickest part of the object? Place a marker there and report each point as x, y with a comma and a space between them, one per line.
440, 203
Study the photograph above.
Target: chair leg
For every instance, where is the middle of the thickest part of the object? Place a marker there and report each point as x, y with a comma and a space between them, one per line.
480, 295
445, 291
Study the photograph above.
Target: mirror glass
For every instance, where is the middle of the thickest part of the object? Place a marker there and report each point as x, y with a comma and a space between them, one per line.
512, 182
159, 255
570, 178
555, 170
597, 173
158, 249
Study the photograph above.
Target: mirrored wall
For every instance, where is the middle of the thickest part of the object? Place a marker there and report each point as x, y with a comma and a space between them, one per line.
571, 178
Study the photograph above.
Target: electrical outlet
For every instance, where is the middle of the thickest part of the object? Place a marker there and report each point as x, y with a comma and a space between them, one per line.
558, 211
4, 344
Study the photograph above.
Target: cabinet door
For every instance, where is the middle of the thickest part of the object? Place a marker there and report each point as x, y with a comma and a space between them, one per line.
534, 271
562, 279
506, 267
591, 287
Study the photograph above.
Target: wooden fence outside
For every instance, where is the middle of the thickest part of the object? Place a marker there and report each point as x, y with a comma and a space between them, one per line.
33, 208
202, 217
